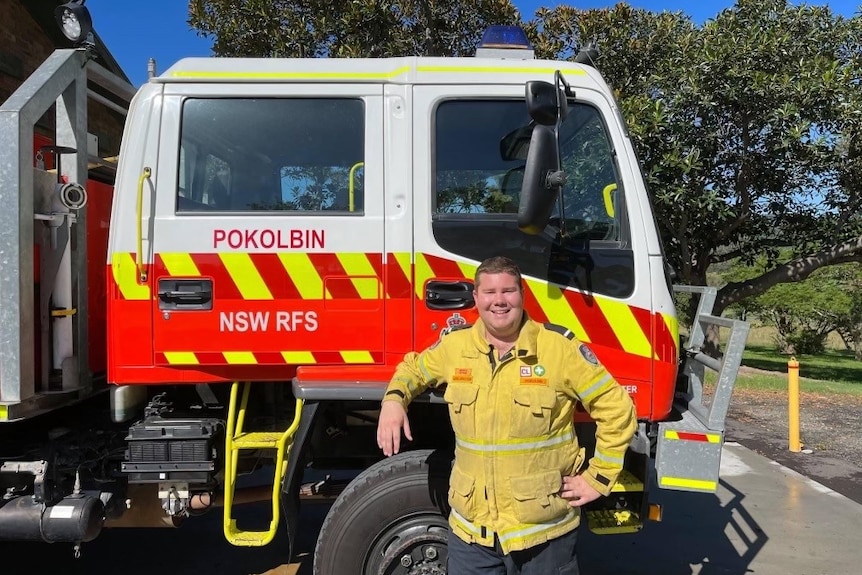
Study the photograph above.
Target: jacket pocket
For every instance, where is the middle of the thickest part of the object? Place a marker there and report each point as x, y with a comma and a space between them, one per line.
532, 411
537, 497
461, 499
461, 398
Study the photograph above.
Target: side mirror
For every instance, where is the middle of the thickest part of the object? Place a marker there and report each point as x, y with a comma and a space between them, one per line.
542, 180
545, 102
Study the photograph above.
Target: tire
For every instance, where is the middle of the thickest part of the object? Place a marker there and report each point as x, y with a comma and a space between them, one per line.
390, 520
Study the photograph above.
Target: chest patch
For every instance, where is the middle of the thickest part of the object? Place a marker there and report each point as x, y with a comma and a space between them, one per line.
532, 375
534, 381
463, 375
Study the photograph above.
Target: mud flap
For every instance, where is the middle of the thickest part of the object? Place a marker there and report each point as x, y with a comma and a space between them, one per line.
688, 455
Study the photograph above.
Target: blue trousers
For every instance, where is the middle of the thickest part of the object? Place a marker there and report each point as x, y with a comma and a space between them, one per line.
556, 557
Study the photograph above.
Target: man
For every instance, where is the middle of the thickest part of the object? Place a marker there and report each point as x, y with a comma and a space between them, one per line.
512, 385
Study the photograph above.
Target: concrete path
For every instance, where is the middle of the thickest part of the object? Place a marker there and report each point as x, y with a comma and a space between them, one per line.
765, 519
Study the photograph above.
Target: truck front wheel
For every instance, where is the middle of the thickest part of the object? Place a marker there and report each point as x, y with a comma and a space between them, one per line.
390, 520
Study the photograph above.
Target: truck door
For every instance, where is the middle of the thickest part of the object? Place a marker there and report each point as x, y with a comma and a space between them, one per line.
594, 280
268, 226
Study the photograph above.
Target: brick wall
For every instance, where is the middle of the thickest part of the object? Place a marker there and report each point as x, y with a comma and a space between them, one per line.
23, 47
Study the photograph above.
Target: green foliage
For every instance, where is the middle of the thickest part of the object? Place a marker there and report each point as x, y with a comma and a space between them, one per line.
807, 341
360, 28
805, 312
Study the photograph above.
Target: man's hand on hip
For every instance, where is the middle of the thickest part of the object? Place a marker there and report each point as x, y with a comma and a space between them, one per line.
577, 491
393, 418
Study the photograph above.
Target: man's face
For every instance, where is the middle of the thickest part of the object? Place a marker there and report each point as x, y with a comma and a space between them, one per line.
500, 303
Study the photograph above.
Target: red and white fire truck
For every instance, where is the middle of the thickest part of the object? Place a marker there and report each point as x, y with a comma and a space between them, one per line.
281, 232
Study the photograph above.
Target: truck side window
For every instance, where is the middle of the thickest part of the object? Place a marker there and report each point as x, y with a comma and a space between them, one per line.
272, 155
479, 153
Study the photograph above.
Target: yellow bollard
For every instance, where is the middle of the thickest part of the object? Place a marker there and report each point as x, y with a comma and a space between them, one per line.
793, 404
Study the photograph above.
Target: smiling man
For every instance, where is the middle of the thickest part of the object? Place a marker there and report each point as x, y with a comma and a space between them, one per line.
512, 385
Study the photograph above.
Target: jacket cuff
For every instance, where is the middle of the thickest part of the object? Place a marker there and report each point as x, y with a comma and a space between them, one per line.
396, 395
599, 480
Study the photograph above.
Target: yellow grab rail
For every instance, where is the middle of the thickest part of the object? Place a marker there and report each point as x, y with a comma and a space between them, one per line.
609, 202
351, 185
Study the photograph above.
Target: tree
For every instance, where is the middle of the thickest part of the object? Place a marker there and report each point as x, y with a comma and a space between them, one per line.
743, 126
360, 28
803, 313
748, 127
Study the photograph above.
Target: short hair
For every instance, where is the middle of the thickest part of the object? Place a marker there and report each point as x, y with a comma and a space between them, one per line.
499, 265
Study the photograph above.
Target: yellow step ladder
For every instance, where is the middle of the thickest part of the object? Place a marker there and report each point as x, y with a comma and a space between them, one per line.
611, 521
235, 440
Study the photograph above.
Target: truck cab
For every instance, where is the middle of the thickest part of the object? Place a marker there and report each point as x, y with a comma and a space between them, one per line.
322, 218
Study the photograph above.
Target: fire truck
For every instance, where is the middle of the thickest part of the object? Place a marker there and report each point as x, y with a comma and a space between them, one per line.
279, 234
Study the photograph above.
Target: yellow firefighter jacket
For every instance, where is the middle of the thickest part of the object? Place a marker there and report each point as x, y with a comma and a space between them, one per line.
514, 433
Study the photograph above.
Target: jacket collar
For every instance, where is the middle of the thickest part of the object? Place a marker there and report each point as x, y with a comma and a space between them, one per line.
525, 347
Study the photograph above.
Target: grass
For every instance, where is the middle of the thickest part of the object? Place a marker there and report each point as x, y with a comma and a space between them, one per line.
778, 383
833, 371
829, 366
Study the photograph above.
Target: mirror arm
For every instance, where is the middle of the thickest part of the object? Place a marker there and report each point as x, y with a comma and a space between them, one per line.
556, 180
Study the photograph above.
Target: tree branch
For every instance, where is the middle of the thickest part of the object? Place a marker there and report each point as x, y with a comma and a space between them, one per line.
793, 271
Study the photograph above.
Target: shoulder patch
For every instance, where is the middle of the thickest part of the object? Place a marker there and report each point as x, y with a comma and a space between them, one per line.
588, 354
564, 331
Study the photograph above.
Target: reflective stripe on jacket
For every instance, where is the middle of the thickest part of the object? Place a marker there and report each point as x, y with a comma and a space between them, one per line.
515, 439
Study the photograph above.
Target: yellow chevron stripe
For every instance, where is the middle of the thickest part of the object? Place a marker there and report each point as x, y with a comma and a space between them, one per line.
361, 273
181, 358
180, 264
125, 274
245, 275
403, 259
626, 327
298, 357
468, 270
303, 274
239, 357
4, 413
423, 273
357, 357
557, 308
673, 326
699, 484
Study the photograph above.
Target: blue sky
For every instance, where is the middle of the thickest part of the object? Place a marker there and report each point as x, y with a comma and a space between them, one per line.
135, 31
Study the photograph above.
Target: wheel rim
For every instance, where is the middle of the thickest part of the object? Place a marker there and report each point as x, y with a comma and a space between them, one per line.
414, 545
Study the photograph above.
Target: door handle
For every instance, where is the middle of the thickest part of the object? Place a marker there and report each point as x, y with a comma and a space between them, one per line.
190, 294
449, 295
